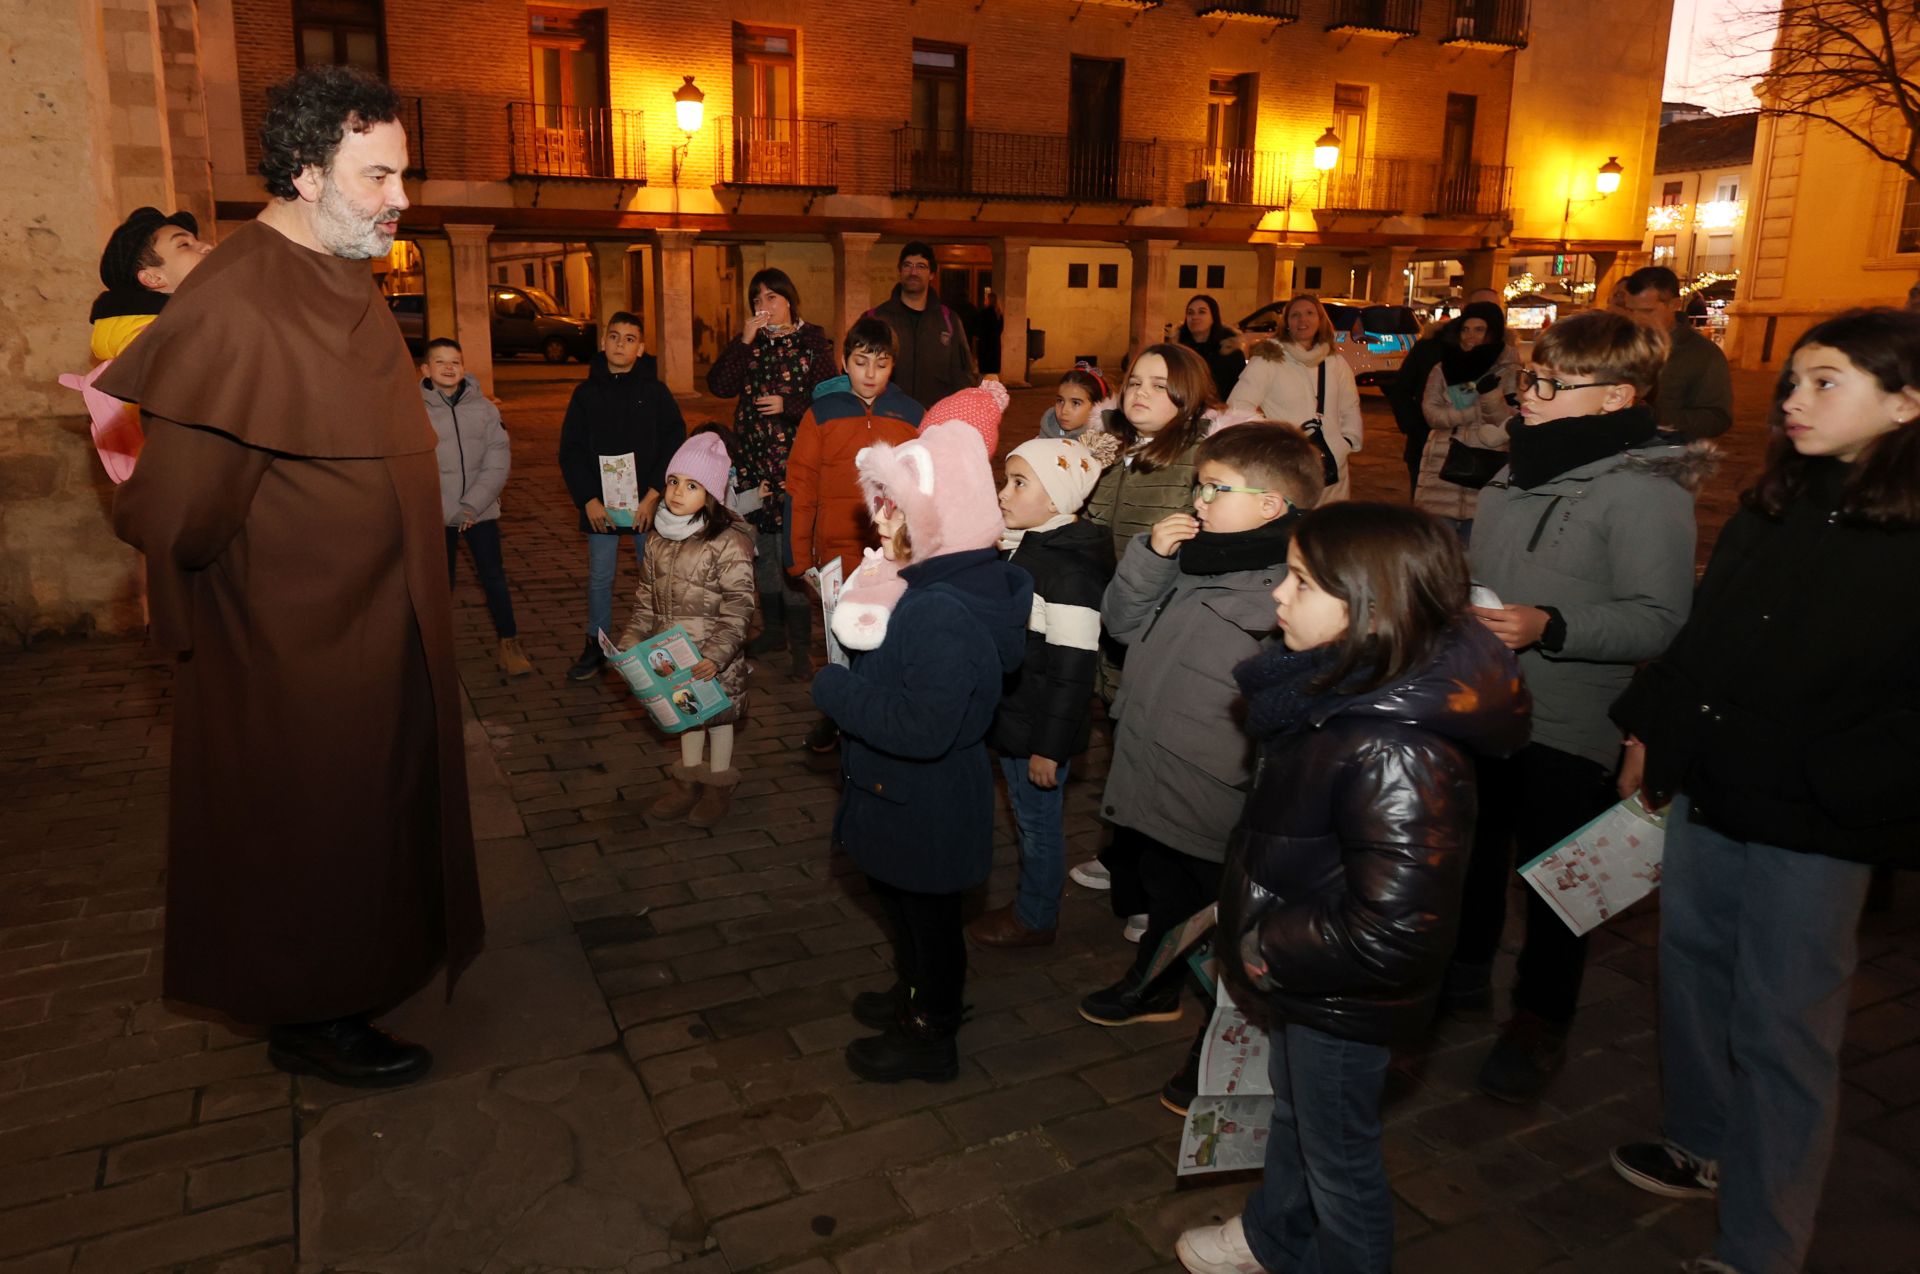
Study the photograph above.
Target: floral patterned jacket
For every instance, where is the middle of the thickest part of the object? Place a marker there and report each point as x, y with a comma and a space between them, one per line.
789, 365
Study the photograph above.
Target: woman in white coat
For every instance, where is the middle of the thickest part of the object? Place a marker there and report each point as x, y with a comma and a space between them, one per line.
1284, 380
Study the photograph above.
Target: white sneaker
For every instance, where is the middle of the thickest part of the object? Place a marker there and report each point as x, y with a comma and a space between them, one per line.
1217, 1249
1093, 874
1136, 928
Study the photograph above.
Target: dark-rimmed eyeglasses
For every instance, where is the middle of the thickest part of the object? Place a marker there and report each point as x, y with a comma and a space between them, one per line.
1545, 387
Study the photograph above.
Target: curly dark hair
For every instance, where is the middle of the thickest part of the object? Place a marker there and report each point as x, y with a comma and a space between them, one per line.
308, 115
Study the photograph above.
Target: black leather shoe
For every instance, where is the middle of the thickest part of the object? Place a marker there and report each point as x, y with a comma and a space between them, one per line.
348, 1051
588, 666
1528, 1054
881, 1009
1123, 1004
919, 1046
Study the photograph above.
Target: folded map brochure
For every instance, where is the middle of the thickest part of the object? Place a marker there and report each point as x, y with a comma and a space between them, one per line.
619, 488
1179, 939
658, 671
1602, 869
829, 580
1229, 1121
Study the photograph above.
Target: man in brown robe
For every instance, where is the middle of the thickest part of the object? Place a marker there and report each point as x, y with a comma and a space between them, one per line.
320, 857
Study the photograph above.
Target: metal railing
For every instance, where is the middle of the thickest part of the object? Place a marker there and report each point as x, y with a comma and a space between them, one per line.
1372, 185
594, 143
1398, 17
1471, 190
1714, 262
1499, 23
413, 119
929, 161
795, 153
1269, 10
1251, 178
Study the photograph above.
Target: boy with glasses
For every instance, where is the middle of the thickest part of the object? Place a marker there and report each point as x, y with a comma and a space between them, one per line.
1192, 598
1587, 539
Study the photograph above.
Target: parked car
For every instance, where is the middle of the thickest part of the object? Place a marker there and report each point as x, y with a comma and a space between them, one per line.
1374, 339
525, 321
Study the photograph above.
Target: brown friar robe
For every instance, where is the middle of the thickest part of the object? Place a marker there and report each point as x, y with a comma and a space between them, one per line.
320, 857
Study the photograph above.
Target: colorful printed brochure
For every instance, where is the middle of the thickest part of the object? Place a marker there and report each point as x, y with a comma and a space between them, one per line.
1228, 1123
619, 488
1179, 940
1604, 868
828, 579
657, 669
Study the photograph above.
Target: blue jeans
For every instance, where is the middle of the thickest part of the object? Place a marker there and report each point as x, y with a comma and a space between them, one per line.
1040, 814
1323, 1206
1757, 950
603, 563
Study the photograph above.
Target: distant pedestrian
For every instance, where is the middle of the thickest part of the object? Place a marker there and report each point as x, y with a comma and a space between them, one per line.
1217, 344
1298, 376
932, 357
1695, 395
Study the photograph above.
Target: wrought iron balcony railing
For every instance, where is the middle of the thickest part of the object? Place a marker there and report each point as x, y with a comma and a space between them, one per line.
798, 154
1492, 24
1472, 190
1248, 178
1371, 185
928, 161
1277, 12
582, 143
1387, 184
413, 119
1384, 17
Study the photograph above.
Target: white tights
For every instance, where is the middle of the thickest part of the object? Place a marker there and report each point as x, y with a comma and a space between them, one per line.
694, 742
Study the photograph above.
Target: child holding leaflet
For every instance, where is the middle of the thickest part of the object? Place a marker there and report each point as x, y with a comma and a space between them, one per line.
697, 572
916, 807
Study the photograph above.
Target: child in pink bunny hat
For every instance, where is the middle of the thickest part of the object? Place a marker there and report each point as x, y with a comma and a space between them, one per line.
917, 795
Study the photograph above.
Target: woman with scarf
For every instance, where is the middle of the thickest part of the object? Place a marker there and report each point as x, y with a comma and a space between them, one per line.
1465, 405
1217, 344
1296, 377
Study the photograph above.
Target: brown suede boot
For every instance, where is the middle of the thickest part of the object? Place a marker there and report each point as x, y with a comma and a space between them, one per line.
716, 796
513, 658
682, 794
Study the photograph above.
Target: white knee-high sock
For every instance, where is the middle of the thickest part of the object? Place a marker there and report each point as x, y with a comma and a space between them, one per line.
722, 746
693, 743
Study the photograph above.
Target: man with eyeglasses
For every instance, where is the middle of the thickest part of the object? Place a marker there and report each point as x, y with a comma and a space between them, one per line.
1695, 395
931, 358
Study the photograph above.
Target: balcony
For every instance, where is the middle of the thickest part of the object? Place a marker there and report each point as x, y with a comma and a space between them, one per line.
1477, 191
1488, 24
934, 162
776, 154
1395, 18
1383, 187
576, 143
1715, 263
1271, 12
1239, 178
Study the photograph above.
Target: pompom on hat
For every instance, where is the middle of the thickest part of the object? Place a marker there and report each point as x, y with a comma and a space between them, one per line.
980, 408
703, 458
1068, 467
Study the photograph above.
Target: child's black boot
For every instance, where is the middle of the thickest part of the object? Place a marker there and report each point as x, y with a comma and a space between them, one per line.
919, 1046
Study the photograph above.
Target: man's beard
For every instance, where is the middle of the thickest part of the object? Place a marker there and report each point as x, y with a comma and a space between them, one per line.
345, 231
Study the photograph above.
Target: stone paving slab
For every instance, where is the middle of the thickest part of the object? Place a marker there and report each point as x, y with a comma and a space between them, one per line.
643, 1071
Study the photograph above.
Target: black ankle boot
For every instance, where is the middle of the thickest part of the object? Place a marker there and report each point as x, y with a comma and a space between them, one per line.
880, 1010
919, 1046
773, 609
347, 1051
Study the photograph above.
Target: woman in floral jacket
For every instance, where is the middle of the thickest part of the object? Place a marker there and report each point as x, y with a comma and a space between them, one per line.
772, 368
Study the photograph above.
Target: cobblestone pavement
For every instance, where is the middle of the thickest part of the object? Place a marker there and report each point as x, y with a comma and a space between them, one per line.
643, 1070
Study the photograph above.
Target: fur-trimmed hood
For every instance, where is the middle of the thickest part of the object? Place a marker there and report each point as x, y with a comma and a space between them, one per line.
1275, 350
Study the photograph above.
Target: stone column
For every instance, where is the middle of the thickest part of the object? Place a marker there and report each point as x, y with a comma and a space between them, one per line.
472, 304
186, 97
1148, 311
1486, 268
436, 265
852, 280
1611, 269
610, 287
142, 154
1387, 274
1010, 285
673, 290
1274, 270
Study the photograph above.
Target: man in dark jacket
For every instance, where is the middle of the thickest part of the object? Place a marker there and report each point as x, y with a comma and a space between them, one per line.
1695, 395
932, 359
621, 428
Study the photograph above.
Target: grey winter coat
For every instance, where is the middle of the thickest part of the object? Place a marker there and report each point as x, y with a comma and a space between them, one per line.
1182, 764
1609, 544
474, 453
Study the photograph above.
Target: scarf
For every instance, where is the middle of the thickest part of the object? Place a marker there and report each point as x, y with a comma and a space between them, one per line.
1276, 684
1010, 538
1221, 553
675, 527
1311, 356
1542, 453
1464, 366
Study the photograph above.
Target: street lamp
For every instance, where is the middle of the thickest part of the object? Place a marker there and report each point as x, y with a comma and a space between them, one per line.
1326, 151
1608, 179
689, 108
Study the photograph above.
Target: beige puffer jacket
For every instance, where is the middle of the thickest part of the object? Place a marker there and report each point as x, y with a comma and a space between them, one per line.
1484, 424
706, 587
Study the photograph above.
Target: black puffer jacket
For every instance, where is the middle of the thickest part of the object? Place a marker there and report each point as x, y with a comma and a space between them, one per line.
1344, 877
1045, 710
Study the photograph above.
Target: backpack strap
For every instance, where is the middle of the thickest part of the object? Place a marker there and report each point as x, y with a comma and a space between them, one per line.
1320, 389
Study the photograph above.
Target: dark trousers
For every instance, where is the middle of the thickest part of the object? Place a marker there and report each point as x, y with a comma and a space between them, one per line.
1127, 894
1176, 886
929, 946
1411, 453
483, 541
1528, 803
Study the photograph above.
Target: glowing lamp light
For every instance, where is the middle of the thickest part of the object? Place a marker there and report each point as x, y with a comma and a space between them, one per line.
1667, 216
1607, 180
689, 106
1720, 214
1326, 151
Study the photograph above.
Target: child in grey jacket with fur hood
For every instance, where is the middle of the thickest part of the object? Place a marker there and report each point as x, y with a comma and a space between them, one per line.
1587, 539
